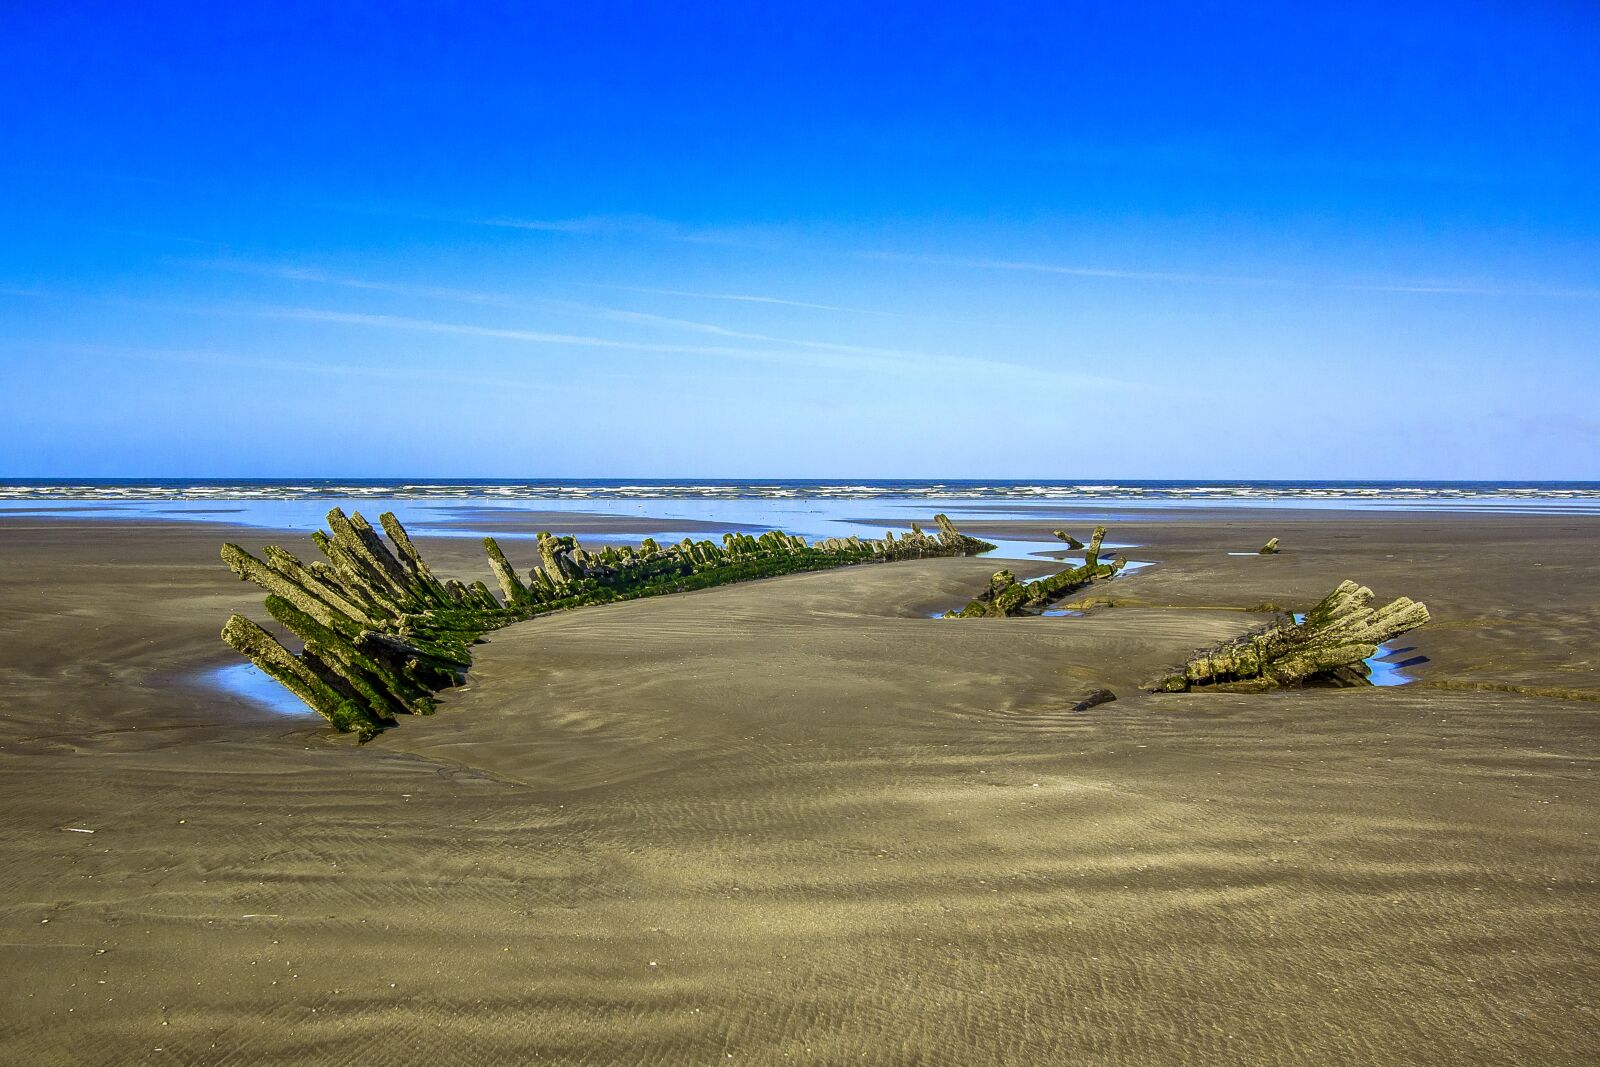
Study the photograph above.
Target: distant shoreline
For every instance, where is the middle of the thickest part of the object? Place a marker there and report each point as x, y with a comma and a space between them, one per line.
1428, 495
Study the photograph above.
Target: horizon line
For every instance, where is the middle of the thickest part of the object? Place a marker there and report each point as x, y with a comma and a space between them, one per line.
1084, 482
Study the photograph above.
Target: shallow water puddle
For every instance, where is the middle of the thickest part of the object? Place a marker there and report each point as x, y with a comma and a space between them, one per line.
1128, 566
1053, 613
1387, 665
1384, 672
1010, 548
251, 683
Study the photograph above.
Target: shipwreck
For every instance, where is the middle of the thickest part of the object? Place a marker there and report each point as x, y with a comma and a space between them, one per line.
381, 634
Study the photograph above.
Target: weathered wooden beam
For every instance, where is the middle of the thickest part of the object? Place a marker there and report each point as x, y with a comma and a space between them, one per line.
328, 592
1007, 597
352, 574
392, 689
380, 574
1091, 555
297, 675
1329, 646
254, 570
416, 567
380, 554
515, 592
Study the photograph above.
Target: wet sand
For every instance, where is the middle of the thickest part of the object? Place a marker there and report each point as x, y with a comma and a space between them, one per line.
799, 821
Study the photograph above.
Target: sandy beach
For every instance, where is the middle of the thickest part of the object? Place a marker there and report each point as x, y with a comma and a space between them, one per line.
799, 820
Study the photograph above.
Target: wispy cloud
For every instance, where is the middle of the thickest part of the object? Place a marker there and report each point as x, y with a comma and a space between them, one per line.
642, 226
749, 298
649, 319
620, 315
462, 329
364, 371
647, 227
1202, 278
856, 359
159, 236
651, 227
1071, 271
1471, 289
818, 346
739, 297
321, 277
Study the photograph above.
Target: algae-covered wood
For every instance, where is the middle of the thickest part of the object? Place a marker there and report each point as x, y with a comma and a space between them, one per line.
380, 634
1329, 646
1006, 596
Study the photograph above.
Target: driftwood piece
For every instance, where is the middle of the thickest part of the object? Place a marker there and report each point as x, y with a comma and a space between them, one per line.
1095, 699
380, 634
1327, 647
1072, 542
1007, 597
1270, 548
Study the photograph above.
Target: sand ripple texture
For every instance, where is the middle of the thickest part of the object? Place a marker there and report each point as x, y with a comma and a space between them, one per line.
798, 821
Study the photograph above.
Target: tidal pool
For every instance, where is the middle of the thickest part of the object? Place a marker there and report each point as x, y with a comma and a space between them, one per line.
253, 685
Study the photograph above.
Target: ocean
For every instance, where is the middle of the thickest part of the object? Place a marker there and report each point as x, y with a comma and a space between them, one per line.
812, 508
1426, 494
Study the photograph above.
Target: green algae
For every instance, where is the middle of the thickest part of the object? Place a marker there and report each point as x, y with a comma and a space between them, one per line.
1328, 646
1006, 597
381, 634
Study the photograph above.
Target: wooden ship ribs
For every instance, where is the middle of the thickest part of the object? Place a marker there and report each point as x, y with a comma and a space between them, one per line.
381, 633
1328, 647
1007, 597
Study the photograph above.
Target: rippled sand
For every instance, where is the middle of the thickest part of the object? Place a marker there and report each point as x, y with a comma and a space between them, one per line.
799, 821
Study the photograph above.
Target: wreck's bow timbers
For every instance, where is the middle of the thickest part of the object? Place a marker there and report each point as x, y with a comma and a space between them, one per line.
381, 634
1330, 646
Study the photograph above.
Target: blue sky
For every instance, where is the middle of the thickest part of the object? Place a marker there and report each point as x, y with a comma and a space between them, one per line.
1028, 241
